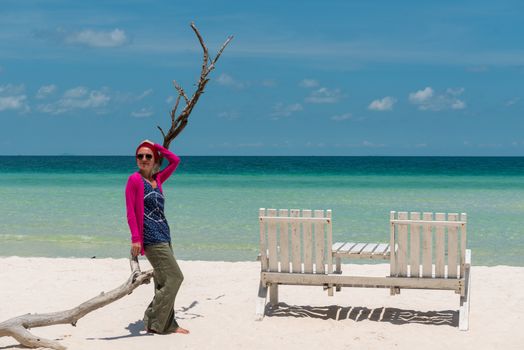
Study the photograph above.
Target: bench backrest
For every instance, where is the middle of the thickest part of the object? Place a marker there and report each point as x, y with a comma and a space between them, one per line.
427, 244
296, 241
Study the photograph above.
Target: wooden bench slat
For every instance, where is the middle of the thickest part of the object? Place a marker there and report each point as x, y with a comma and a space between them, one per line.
295, 243
294, 219
369, 248
439, 246
336, 246
347, 247
381, 249
284, 242
357, 248
329, 244
414, 253
452, 247
427, 246
402, 241
272, 242
435, 222
307, 242
320, 243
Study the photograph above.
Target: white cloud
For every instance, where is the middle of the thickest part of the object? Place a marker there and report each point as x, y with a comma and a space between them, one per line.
92, 38
341, 117
421, 96
14, 103
427, 99
76, 92
142, 113
145, 93
308, 83
13, 97
385, 104
458, 104
228, 115
324, 95
281, 110
45, 91
227, 80
77, 98
12, 89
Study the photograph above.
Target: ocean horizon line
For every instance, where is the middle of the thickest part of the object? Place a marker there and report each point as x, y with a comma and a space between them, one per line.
270, 156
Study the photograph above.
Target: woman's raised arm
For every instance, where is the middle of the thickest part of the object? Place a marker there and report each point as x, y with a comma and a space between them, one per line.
173, 160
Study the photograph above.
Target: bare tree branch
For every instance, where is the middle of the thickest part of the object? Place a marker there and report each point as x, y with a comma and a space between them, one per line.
162, 131
178, 123
181, 91
212, 65
205, 60
173, 111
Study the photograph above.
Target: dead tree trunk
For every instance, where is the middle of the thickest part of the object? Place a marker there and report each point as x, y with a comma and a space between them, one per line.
17, 327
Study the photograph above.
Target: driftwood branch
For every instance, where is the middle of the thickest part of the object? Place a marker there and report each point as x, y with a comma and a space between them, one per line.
181, 91
179, 122
17, 327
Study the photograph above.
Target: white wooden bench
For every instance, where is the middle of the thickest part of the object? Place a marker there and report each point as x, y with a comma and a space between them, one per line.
430, 253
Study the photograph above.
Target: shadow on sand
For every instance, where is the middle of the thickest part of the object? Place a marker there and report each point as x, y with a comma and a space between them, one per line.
358, 313
137, 329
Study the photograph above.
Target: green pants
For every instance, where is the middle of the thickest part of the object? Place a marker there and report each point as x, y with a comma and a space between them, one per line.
160, 314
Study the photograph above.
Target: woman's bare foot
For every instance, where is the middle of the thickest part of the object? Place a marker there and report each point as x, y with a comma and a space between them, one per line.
181, 330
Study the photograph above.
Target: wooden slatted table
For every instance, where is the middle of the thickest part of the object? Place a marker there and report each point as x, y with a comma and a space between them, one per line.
361, 250
352, 250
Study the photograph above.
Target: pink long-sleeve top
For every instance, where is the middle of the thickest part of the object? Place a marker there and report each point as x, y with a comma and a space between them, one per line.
135, 195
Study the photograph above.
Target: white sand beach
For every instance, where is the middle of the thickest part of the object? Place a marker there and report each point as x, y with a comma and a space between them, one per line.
217, 304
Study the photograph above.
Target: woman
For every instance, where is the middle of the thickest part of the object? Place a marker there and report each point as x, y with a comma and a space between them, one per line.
150, 234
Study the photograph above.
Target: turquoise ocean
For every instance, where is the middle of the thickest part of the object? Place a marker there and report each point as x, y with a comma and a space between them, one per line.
74, 206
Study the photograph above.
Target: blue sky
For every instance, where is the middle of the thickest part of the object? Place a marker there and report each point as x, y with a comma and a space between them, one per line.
299, 78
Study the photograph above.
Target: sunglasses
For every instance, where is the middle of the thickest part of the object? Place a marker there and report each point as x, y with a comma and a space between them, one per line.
146, 156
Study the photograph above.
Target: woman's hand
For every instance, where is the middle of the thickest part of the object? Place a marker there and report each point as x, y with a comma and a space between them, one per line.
135, 249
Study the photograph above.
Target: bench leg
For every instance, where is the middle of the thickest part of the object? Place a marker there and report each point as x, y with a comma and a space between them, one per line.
329, 288
394, 290
464, 299
338, 268
261, 302
273, 294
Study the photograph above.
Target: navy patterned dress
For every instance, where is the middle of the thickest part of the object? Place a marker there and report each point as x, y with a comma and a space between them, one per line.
156, 229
